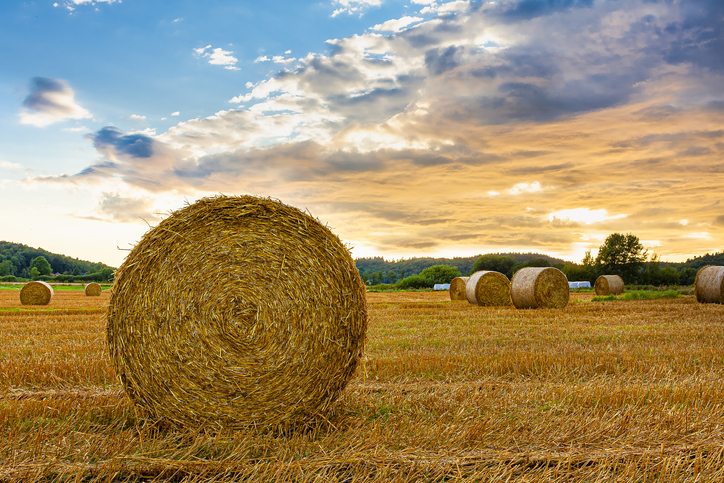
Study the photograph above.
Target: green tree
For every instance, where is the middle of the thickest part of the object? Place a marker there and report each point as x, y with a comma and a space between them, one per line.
687, 276
34, 273
76, 270
106, 274
495, 263
622, 255
41, 265
391, 276
415, 281
440, 273
6, 268
376, 278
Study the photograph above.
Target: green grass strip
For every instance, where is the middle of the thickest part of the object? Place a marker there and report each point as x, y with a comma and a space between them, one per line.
638, 295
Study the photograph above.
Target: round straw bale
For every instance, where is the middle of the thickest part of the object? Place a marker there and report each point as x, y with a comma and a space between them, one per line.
709, 285
540, 287
36, 293
457, 288
609, 285
93, 289
488, 288
236, 312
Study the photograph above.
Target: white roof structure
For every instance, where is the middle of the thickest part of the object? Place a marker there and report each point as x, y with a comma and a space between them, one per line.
579, 284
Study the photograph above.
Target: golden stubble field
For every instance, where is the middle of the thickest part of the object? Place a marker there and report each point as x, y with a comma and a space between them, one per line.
617, 391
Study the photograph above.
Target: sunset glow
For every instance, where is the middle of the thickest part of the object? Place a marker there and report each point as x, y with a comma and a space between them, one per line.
420, 128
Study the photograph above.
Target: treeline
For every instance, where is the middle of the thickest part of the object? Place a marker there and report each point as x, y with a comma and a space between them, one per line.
619, 255
377, 270
20, 263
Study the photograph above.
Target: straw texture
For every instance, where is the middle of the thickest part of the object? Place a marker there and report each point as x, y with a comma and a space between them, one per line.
236, 312
609, 285
457, 288
93, 289
709, 285
36, 293
540, 287
488, 288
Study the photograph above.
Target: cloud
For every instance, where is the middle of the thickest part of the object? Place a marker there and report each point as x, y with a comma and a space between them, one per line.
50, 101
583, 215
136, 117
396, 25
525, 188
136, 145
10, 166
353, 6
488, 126
114, 207
176, 113
218, 56
71, 5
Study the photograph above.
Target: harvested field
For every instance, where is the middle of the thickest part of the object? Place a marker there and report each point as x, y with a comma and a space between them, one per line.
621, 391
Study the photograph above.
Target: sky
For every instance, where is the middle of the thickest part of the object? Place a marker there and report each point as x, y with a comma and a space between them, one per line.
411, 128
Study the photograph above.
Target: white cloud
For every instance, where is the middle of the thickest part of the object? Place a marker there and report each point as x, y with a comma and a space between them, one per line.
136, 117
218, 56
50, 101
525, 188
703, 235
175, 113
583, 215
493, 193
353, 6
424, 2
279, 59
261, 58
395, 25
10, 166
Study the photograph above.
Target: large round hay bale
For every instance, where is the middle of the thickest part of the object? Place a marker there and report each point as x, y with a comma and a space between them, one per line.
488, 288
93, 289
36, 293
709, 285
236, 312
457, 288
540, 287
609, 285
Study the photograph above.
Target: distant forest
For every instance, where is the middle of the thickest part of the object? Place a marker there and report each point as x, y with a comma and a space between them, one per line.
413, 266
15, 261
378, 270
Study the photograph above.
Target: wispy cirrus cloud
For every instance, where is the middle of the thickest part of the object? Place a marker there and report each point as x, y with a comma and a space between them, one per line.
50, 101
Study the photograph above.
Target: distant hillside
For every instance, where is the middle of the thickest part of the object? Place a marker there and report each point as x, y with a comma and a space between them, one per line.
413, 266
15, 260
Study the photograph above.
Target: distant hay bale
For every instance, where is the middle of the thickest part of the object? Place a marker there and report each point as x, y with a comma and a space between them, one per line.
236, 312
488, 288
457, 288
540, 287
709, 285
609, 285
93, 289
36, 293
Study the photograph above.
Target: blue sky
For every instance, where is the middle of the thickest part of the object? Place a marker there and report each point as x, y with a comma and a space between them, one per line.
412, 128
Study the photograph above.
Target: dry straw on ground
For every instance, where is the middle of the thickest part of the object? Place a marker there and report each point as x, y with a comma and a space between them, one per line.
709, 284
457, 288
236, 312
488, 288
609, 285
540, 287
93, 289
36, 293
